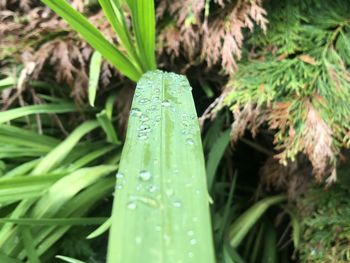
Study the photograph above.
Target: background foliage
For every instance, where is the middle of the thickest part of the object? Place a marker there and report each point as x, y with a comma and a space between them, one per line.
270, 80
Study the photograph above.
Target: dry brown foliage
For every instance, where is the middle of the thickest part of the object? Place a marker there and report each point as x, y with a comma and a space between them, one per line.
216, 37
35, 37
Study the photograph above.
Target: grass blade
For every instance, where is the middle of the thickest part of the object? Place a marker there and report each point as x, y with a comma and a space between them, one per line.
94, 37
215, 155
116, 18
35, 109
70, 260
144, 24
7, 83
27, 238
94, 75
61, 151
55, 221
161, 213
101, 229
243, 224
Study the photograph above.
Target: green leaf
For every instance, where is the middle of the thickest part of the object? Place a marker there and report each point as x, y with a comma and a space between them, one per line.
116, 18
244, 222
94, 37
55, 221
68, 259
144, 24
94, 75
101, 229
270, 244
35, 109
61, 151
67, 187
27, 238
7, 83
215, 155
161, 209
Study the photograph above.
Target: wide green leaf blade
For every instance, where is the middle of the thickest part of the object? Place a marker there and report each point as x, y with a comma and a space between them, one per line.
161, 207
94, 37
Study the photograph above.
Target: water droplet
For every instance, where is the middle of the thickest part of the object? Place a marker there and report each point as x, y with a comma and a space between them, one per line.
152, 188
190, 254
119, 186
165, 103
131, 205
193, 241
144, 128
138, 240
135, 112
144, 118
145, 175
142, 136
119, 175
177, 204
144, 101
189, 141
158, 228
156, 161
195, 219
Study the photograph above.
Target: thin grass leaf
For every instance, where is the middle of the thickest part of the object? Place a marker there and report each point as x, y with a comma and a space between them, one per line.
94, 75
36, 109
254, 245
161, 209
116, 18
61, 151
68, 259
27, 238
94, 37
107, 126
78, 206
228, 208
7, 83
296, 228
270, 244
85, 221
231, 255
215, 156
243, 224
15, 189
144, 24
67, 187
101, 229
6, 259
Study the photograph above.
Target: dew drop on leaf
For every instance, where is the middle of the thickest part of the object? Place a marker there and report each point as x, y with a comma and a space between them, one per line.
131, 205
165, 103
189, 141
177, 204
145, 175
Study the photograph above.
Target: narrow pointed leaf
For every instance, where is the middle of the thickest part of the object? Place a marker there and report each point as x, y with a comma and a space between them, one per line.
94, 37
35, 109
161, 209
244, 223
143, 21
94, 75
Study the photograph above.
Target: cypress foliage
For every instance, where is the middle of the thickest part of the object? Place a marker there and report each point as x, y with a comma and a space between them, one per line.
296, 79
